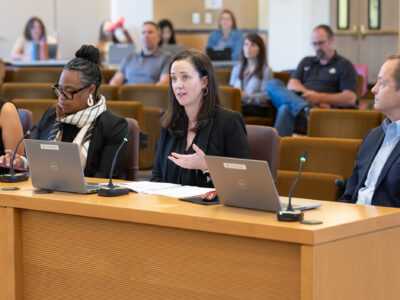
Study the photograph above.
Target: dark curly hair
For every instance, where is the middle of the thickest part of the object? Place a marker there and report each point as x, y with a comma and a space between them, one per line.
86, 62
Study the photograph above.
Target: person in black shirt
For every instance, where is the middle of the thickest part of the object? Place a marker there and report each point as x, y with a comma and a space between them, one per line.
195, 125
326, 80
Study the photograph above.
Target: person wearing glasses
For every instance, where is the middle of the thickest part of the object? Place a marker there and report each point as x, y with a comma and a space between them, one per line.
81, 117
326, 80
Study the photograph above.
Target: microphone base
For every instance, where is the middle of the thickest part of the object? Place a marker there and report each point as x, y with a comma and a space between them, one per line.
290, 215
114, 191
18, 177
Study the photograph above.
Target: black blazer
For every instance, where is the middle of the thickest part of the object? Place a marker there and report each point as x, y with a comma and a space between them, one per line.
225, 135
387, 191
108, 133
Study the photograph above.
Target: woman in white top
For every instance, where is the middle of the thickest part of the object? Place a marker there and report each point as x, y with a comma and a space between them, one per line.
251, 77
34, 34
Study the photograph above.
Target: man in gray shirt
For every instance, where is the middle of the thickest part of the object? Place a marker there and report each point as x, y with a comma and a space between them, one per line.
150, 66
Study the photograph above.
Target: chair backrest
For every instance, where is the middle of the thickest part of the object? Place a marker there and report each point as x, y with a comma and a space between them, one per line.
107, 74
230, 98
110, 92
36, 106
362, 70
131, 169
264, 145
150, 95
128, 109
26, 118
222, 76
38, 74
18, 90
360, 86
325, 155
283, 76
342, 123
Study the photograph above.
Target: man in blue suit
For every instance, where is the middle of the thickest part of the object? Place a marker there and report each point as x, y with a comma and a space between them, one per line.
376, 175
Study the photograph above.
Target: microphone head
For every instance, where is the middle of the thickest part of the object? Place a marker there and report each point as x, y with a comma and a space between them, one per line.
31, 129
303, 156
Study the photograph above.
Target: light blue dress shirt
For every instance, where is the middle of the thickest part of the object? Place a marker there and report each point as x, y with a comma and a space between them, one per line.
255, 87
234, 41
392, 137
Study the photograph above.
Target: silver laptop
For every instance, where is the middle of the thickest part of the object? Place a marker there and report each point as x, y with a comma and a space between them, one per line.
248, 183
57, 166
118, 52
173, 48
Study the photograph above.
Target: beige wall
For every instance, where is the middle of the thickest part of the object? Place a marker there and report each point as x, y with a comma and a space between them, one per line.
180, 13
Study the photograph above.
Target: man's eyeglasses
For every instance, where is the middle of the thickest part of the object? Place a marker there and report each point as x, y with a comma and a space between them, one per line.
69, 95
315, 44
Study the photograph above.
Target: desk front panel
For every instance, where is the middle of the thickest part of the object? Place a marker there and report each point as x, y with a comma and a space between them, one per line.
73, 257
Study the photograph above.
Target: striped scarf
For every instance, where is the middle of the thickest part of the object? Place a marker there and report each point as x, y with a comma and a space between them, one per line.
85, 120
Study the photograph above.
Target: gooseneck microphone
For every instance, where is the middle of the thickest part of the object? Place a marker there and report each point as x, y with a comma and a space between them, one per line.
12, 176
111, 190
291, 215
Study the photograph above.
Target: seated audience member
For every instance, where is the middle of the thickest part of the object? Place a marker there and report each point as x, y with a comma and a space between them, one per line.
167, 32
150, 66
194, 124
34, 43
81, 117
10, 127
326, 80
251, 77
376, 177
109, 35
227, 36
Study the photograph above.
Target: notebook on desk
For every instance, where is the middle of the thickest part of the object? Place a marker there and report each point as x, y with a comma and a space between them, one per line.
57, 166
248, 183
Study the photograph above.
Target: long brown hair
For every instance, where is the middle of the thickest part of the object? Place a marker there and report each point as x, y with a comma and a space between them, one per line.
227, 11
261, 57
175, 118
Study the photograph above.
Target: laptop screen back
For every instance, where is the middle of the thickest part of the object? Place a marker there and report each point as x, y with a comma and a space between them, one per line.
118, 52
55, 166
244, 183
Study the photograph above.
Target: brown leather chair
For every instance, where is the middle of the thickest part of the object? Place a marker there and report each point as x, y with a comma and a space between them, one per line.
9, 75
264, 145
230, 98
342, 123
283, 76
38, 74
152, 116
26, 118
131, 169
110, 92
269, 119
222, 76
328, 159
18, 90
360, 86
36, 106
150, 95
107, 74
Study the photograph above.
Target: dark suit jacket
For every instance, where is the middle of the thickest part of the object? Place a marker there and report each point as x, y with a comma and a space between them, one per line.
108, 133
225, 135
387, 192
